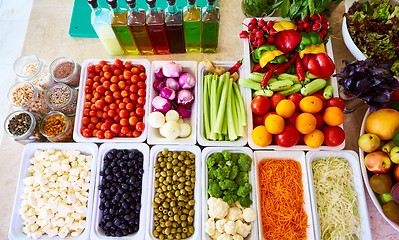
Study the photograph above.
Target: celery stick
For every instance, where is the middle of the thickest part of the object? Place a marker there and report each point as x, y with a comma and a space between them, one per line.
231, 117
207, 130
242, 112
223, 102
213, 109
235, 112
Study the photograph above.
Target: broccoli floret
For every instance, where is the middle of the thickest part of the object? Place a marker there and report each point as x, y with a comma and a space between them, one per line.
234, 158
244, 190
214, 159
242, 178
222, 173
233, 172
212, 172
214, 189
230, 197
245, 201
228, 184
226, 155
244, 162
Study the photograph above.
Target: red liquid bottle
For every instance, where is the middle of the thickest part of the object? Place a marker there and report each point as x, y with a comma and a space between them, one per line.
156, 28
174, 28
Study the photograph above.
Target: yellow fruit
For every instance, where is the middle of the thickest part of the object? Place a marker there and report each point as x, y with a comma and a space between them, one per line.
305, 123
383, 123
274, 124
285, 108
314, 139
261, 137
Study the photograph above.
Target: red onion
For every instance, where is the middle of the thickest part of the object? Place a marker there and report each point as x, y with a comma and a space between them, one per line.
171, 69
187, 81
158, 84
161, 104
168, 93
159, 73
172, 84
183, 112
185, 98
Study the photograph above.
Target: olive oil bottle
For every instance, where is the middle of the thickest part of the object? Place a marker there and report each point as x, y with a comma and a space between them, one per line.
210, 27
121, 30
192, 27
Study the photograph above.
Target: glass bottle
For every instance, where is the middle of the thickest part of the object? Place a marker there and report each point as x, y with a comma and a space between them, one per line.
174, 28
121, 30
192, 27
100, 22
210, 27
136, 20
156, 28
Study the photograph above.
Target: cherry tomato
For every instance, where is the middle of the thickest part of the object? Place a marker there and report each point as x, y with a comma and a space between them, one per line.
100, 134
124, 122
96, 84
322, 100
260, 105
275, 99
105, 126
124, 130
91, 126
96, 79
140, 111
121, 85
291, 120
107, 84
98, 68
89, 82
333, 136
135, 71
85, 121
117, 72
133, 121
126, 100
143, 76
86, 112
118, 63
319, 119
113, 106
123, 113
296, 98
288, 137
107, 93
129, 134
99, 114
336, 102
133, 97
136, 134
87, 133
141, 68
141, 92
100, 104
124, 93
109, 99
258, 120
108, 134
102, 63
117, 95
115, 128
133, 88
140, 126
87, 104
107, 75
88, 89
129, 107
92, 76
127, 75
94, 119
128, 65
141, 84
114, 79
90, 68
141, 101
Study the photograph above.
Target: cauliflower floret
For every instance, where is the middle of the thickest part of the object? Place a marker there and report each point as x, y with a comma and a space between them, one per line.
230, 227
210, 226
238, 237
237, 204
234, 214
249, 214
225, 236
243, 229
218, 208
220, 225
217, 235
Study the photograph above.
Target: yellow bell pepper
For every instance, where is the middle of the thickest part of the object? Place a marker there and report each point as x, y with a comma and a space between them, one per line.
284, 25
267, 56
312, 49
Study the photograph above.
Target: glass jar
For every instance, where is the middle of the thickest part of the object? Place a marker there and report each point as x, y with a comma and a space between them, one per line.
33, 69
57, 127
65, 70
62, 98
257, 8
26, 96
23, 127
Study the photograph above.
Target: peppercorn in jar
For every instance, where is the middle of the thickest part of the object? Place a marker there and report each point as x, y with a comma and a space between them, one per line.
26, 96
57, 127
65, 70
23, 127
62, 98
34, 70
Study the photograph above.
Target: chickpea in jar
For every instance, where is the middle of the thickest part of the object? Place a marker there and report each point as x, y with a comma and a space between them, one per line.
26, 96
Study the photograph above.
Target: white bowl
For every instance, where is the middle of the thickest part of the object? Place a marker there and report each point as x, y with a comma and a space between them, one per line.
15, 230
248, 69
365, 174
154, 137
197, 188
298, 156
353, 161
77, 134
96, 232
244, 92
206, 152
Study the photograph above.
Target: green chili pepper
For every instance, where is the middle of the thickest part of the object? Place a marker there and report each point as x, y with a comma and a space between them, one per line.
310, 38
263, 48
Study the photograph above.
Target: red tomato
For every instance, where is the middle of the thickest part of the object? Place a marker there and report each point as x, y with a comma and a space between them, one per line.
288, 137
140, 111
90, 68
258, 120
141, 85
87, 133
124, 122
140, 126
135, 71
291, 120
267, 114
123, 113
85, 121
322, 100
141, 101
128, 65
100, 104
135, 79
296, 98
336, 102
394, 96
333, 136
100, 134
275, 99
105, 126
319, 119
108, 134
260, 105
88, 89
134, 88
141, 68
142, 76
141, 92
124, 130
115, 128
118, 63
136, 134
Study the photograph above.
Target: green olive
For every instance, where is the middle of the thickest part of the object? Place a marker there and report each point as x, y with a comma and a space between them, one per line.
170, 237
180, 186
183, 235
162, 224
190, 219
173, 230
156, 233
183, 217
191, 202
180, 157
176, 218
165, 217
188, 188
191, 229
164, 188
174, 210
158, 228
169, 188
165, 205
160, 208
192, 212
161, 236
188, 183
156, 223
168, 223
172, 203
162, 196
162, 165
170, 213
159, 215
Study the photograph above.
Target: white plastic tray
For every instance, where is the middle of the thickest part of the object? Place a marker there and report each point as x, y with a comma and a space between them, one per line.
248, 68
77, 134
197, 189
298, 156
353, 160
365, 174
206, 152
154, 137
244, 92
96, 231
15, 230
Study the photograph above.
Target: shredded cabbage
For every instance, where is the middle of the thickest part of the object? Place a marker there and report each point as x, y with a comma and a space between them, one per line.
336, 199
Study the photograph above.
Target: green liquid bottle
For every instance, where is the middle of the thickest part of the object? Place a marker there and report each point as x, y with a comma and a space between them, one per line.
121, 30
136, 20
210, 27
192, 27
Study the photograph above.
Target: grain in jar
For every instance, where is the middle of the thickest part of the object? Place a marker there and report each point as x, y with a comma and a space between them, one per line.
65, 70
23, 127
33, 69
57, 127
26, 96
62, 98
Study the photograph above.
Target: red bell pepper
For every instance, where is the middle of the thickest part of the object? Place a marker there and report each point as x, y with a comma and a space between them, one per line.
305, 60
321, 65
287, 40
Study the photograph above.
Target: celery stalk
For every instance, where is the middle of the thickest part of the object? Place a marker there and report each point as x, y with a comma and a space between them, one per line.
232, 115
241, 111
235, 112
205, 94
213, 106
223, 102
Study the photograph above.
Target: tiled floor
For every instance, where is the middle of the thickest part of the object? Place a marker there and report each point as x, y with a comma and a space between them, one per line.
14, 17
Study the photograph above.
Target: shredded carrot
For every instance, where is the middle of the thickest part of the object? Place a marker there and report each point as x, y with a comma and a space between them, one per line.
281, 200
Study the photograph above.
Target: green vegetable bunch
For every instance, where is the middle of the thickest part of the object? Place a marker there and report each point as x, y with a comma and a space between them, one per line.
300, 8
228, 177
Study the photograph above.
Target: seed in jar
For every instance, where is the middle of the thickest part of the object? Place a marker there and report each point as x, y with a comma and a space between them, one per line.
173, 201
121, 188
55, 193
19, 124
54, 125
22, 95
59, 96
63, 70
